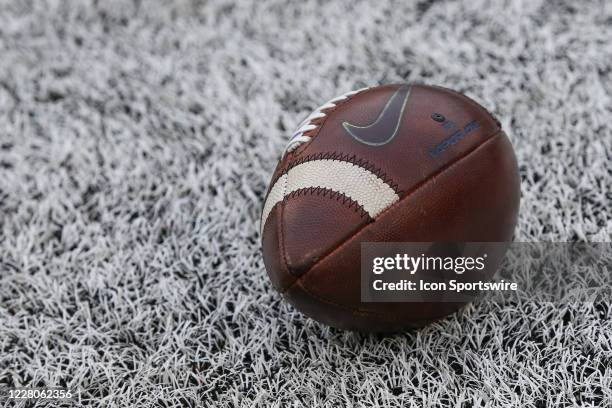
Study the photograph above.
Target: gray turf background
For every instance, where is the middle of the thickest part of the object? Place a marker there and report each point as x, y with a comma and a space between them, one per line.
136, 141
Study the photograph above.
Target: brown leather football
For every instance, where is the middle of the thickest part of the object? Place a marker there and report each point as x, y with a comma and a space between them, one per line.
392, 163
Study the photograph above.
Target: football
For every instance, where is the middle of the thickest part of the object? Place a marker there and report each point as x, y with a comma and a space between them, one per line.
393, 163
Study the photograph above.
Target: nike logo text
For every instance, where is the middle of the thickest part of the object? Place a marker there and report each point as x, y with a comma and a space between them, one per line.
386, 126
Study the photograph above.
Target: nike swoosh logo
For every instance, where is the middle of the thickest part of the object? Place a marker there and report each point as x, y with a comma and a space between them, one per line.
385, 127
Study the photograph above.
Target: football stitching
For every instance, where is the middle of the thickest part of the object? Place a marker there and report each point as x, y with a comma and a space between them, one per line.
373, 205
349, 158
345, 157
332, 194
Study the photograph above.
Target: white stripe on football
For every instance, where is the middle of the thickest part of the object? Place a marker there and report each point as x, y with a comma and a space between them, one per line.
349, 179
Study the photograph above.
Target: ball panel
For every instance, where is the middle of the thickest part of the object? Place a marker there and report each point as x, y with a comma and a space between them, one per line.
273, 257
309, 233
407, 159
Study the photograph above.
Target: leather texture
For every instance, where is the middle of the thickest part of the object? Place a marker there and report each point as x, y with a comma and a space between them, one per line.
456, 179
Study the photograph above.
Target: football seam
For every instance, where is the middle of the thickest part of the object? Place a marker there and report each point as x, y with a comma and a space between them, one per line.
388, 190
318, 191
349, 158
333, 194
408, 194
279, 231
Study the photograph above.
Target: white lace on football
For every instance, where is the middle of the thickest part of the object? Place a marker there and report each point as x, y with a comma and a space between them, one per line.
298, 137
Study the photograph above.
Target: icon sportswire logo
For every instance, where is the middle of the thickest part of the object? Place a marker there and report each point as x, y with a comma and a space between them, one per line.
385, 127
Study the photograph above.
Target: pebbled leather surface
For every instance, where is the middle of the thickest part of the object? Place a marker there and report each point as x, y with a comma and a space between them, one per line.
466, 190
307, 237
406, 159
